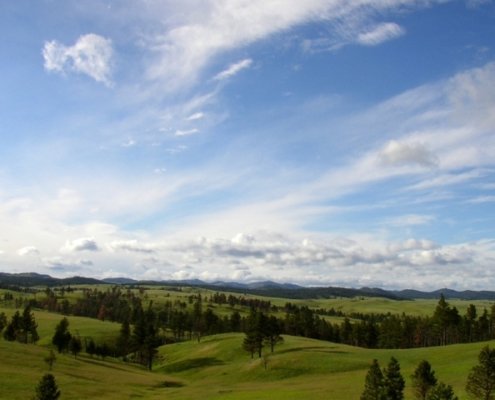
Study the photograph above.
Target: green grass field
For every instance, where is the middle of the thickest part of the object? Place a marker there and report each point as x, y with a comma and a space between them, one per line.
218, 368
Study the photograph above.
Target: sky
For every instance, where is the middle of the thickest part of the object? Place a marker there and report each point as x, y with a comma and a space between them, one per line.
318, 142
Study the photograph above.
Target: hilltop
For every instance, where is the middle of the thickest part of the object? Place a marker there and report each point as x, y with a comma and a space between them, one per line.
262, 288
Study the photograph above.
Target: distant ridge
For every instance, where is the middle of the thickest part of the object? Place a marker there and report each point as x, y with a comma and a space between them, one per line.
262, 288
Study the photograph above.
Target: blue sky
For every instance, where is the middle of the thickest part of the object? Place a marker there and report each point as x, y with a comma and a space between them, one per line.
324, 142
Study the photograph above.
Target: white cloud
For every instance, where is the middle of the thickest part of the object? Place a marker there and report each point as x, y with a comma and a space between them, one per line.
60, 265
198, 33
233, 69
448, 179
400, 153
196, 116
186, 132
380, 33
28, 251
482, 199
132, 246
81, 244
410, 220
91, 55
129, 143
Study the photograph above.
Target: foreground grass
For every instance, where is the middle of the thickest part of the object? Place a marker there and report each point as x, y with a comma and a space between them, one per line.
217, 368
299, 369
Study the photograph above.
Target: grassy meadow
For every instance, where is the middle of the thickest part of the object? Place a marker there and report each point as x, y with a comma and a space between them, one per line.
218, 368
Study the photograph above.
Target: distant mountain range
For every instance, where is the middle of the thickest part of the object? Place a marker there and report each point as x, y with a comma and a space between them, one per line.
266, 288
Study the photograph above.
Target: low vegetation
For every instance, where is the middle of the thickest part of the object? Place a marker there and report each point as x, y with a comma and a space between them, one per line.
216, 346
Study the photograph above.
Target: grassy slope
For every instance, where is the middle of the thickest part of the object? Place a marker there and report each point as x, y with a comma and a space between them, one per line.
218, 368
299, 369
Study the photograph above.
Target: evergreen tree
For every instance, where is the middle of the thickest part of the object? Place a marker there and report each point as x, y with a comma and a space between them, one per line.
90, 347
62, 336
47, 388
481, 380
75, 345
441, 392
394, 382
374, 384
12, 332
273, 331
423, 379
146, 336
28, 326
249, 343
124, 340
3, 321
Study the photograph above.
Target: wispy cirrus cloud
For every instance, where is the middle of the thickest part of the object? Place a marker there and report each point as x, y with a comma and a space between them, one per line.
233, 69
380, 33
192, 41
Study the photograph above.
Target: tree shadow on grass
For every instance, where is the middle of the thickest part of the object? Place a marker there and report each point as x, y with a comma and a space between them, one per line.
193, 363
170, 384
319, 349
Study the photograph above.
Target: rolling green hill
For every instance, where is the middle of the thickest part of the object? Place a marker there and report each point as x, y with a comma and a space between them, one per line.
217, 368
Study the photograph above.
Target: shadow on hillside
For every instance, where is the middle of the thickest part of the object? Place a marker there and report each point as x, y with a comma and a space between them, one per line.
170, 384
319, 349
193, 363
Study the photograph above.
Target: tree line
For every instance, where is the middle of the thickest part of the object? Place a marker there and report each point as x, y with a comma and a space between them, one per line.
195, 317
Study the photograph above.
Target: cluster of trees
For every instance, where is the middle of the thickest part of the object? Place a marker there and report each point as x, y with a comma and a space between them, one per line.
261, 330
65, 341
22, 328
389, 384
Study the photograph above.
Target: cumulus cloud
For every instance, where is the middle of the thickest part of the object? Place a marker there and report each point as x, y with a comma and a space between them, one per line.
233, 69
402, 153
380, 33
91, 55
28, 251
61, 265
132, 246
81, 244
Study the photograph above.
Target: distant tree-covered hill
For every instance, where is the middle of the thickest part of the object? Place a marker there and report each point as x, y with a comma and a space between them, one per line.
263, 288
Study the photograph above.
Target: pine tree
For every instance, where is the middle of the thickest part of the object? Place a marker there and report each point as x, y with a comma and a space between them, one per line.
28, 326
273, 331
3, 321
441, 392
91, 347
62, 336
374, 384
124, 339
47, 388
481, 380
423, 379
12, 332
75, 345
394, 382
